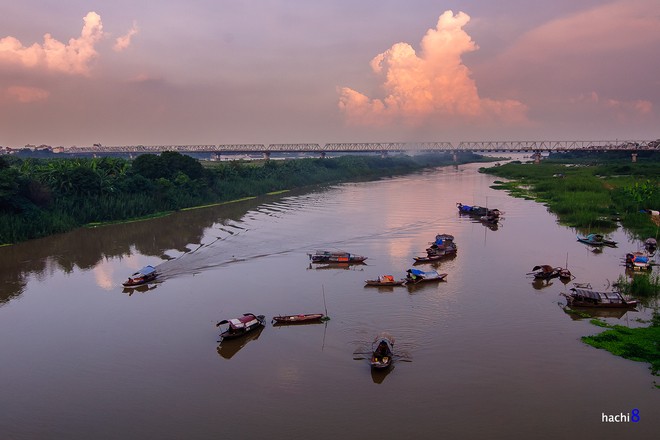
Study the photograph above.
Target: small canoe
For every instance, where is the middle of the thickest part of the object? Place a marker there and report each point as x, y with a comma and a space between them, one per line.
383, 351
298, 319
596, 240
385, 280
428, 258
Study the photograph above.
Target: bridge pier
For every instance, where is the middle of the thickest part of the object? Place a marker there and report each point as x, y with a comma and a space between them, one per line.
634, 157
383, 154
322, 154
455, 156
266, 155
537, 156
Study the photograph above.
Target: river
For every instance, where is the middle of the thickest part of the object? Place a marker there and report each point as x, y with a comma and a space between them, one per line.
485, 354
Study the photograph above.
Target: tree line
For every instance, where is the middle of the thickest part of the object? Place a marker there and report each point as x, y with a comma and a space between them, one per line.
39, 197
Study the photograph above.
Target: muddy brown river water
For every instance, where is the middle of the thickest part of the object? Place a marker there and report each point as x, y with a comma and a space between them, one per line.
485, 354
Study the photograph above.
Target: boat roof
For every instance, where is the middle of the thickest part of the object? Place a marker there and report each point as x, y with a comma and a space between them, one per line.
599, 296
147, 270
422, 273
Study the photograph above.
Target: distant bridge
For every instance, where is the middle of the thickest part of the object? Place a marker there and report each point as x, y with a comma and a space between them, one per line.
535, 147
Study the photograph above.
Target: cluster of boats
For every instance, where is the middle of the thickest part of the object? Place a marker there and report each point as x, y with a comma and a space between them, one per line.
485, 215
583, 296
443, 246
382, 348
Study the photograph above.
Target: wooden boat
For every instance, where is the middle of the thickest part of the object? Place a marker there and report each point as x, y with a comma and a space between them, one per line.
427, 258
545, 272
442, 246
240, 326
141, 277
564, 274
638, 261
298, 319
471, 210
596, 240
336, 257
416, 276
385, 280
592, 298
383, 351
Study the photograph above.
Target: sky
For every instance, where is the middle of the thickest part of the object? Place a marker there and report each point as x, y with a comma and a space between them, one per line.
284, 71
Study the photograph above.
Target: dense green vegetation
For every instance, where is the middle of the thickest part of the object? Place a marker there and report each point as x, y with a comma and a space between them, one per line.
589, 194
39, 197
638, 344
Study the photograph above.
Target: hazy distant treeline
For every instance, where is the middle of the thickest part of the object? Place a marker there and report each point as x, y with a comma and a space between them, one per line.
40, 197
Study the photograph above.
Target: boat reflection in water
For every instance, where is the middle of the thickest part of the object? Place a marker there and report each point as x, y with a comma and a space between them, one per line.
378, 375
344, 266
229, 347
540, 283
142, 288
577, 313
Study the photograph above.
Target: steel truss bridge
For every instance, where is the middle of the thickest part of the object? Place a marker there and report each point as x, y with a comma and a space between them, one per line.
536, 147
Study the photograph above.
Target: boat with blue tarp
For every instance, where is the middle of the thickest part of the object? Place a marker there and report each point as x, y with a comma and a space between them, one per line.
415, 276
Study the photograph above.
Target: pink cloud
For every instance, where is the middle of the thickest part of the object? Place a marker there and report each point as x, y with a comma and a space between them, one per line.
428, 87
53, 55
122, 43
27, 94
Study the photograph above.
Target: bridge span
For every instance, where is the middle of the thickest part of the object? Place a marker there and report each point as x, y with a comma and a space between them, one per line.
534, 147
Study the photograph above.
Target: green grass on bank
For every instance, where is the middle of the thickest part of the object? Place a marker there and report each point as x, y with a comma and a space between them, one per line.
589, 196
637, 344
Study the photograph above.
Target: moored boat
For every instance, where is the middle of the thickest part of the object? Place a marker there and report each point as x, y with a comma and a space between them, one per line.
596, 240
242, 325
638, 261
336, 257
141, 277
650, 244
298, 319
471, 210
545, 272
443, 245
383, 351
415, 276
385, 280
593, 298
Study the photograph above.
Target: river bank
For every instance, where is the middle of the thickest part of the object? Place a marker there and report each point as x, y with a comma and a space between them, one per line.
591, 197
596, 197
44, 197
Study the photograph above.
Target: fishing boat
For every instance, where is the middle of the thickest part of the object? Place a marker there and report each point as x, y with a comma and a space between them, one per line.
416, 276
596, 240
592, 298
336, 257
564, 274
545, 272
638, 261
383, 351
443, 245
471, 210
242, 325
298, 319
428, 258
141, 277
385, 280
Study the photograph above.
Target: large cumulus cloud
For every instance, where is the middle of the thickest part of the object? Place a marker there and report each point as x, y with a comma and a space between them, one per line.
430, 86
